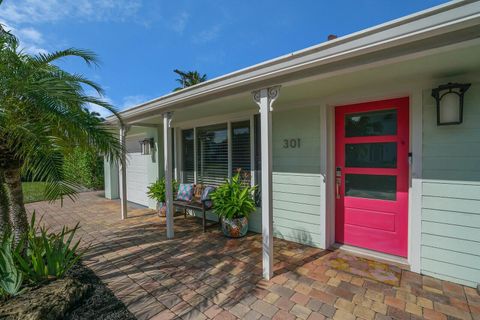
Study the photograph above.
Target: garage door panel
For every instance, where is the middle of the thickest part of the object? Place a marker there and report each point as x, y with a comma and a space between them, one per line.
137, 178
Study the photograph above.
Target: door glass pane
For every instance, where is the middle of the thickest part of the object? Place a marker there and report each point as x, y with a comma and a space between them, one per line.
371, 155
371, 186
376, 123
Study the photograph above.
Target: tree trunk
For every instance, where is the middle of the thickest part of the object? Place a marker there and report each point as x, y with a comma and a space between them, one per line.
18, 214
4, 209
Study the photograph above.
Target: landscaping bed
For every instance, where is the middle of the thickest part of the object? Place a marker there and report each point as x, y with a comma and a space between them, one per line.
80, 295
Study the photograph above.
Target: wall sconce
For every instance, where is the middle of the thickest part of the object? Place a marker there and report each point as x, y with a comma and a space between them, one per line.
146, 146
449, 99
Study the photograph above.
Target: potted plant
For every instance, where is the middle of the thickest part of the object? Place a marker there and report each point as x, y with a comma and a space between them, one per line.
233, 202
156, 191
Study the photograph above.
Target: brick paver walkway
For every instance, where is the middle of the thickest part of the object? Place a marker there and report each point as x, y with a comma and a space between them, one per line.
201, 276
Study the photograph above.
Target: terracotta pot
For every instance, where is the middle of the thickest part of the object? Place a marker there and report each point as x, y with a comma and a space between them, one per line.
162, 209
235, 228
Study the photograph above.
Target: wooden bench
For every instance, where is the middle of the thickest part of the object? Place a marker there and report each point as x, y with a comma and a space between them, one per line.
195, 204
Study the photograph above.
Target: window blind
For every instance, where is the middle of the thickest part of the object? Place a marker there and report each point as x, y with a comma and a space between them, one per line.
188, 163
212, 154
241, 160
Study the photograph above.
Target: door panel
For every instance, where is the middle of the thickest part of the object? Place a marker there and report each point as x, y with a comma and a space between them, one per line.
371, 177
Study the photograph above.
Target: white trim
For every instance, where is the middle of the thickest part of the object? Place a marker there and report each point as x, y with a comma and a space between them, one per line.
195, 164
252, 150
229, 149
324, 173
330, 185
415, 192
265, 99
180, 156
217, 119
440, 20
167, 144
122, 177
175, 154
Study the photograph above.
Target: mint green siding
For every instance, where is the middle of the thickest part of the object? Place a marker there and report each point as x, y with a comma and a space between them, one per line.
296, 178
450, 245
154, 161
296, 175
110, 170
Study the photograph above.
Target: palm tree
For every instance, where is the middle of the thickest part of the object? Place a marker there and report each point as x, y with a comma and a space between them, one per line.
189, 78
42, 118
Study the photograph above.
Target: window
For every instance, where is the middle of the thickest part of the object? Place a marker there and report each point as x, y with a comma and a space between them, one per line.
188, 163
210, 163
212, 154
371, 155
241, 160
371, 186
374, 123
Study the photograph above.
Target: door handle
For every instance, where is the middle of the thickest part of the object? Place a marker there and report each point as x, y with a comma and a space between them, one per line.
338, 182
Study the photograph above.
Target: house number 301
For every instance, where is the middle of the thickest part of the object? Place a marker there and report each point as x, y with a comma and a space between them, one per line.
291, 143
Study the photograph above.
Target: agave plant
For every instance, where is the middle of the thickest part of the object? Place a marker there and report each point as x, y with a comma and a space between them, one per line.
11, 277
49, 255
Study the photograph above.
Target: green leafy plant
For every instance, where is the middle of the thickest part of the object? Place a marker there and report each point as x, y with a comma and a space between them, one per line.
11, 277
85, 167
156, 190
233, 199
48, 255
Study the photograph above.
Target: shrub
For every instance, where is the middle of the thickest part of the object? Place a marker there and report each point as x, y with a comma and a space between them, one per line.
84, 167
156, 190
48, 255
233, 199
11, 277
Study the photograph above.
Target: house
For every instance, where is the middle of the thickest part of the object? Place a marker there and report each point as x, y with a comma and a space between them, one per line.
369, 142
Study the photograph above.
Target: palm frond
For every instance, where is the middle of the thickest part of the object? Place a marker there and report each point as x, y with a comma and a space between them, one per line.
89, 57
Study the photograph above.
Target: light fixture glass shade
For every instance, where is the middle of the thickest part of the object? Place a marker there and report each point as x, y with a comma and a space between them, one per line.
450, 108
449, 98
146, 146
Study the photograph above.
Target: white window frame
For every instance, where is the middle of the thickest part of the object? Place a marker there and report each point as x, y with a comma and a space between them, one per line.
249, 116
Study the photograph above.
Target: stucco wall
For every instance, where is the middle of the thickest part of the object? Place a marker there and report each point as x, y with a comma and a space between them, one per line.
451, 193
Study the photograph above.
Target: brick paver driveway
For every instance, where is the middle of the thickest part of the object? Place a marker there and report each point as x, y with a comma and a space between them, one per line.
200, 276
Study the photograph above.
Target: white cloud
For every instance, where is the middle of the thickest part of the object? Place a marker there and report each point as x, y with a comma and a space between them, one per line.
207, 35
131, 101
179, 22
31, 39
30, 34
34, 11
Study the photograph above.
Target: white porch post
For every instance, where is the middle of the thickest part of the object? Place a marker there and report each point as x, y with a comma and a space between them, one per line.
123, 173
265, 99
167, 149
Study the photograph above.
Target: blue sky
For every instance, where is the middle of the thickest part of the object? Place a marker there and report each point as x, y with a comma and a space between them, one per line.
140, 42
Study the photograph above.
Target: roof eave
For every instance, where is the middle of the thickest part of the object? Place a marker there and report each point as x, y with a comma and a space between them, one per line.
420, 25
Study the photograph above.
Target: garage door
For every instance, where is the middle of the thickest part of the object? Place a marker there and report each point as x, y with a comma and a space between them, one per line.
137, 177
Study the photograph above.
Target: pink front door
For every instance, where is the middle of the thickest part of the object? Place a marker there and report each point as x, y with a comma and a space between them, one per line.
371, 175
